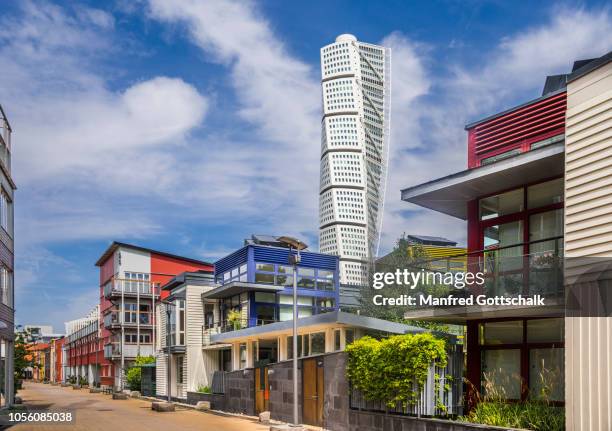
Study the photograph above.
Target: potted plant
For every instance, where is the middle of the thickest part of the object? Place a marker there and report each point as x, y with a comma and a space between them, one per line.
83, 382
234, 318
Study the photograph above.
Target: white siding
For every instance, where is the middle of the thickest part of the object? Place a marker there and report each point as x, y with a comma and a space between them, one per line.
161, 374
200, 364
588, 232
133, 261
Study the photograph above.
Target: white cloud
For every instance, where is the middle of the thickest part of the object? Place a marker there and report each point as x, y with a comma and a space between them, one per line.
428, 137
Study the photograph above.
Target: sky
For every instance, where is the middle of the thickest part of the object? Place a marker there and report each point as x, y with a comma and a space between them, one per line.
186, 126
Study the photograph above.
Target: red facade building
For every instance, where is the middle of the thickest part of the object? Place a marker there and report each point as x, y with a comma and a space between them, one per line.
130, 281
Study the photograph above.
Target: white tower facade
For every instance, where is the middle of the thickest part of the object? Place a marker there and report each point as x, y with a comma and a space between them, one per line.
356, 83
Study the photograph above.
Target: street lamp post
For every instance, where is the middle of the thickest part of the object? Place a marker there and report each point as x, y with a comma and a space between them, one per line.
294, 260
168, 360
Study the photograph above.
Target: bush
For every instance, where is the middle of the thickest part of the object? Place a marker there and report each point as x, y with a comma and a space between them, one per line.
83, 381
532, 415
204, 389
133, 375
394, 370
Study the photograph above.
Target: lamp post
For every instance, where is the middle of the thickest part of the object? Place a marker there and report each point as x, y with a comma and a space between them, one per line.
294, 260
168, 304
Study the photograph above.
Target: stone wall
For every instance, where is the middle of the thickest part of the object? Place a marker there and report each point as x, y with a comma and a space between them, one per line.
280, 379
239, 396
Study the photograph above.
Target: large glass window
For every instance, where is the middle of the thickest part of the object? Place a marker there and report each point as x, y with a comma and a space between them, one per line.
503, 344
546, 374
544, 225
501, 373
543, 194
502, 204
505, 332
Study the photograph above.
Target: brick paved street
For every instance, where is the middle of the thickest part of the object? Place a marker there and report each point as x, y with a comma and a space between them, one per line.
98, 412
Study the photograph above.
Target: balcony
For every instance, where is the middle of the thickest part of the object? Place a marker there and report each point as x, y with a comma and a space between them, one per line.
507, 272
130, 288
113, 350
113, 319
224, 326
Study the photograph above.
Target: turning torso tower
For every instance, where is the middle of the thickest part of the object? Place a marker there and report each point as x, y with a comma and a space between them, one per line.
356, 81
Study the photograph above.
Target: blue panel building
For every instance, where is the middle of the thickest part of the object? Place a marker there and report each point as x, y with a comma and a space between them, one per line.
257, 282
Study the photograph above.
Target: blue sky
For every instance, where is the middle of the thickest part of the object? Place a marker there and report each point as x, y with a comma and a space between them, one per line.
187, 126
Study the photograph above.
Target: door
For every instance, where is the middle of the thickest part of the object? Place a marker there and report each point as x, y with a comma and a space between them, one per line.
312, 391
262, 390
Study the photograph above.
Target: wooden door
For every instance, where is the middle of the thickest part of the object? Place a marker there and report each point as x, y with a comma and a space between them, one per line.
262, 390
312, 392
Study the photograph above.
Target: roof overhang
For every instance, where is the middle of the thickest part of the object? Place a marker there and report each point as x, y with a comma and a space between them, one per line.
238, 287
450, 194
313, 323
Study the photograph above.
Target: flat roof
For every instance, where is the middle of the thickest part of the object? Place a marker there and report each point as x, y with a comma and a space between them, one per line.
590, 66
334, 317
450, 194
200, 278
116, 244
238, 287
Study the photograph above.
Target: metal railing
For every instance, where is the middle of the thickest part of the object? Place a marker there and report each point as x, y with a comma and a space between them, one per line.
507, 270
116, 287
227, 325
114, 318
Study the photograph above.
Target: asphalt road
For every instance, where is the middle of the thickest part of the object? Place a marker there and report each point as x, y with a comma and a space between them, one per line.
99, 412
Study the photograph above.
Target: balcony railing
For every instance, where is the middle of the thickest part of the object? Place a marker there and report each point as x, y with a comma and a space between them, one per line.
114, 319
224, 326
117, 287
507, 271
113, 350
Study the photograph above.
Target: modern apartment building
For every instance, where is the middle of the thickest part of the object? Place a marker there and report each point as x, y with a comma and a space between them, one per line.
7, 330
130, 288
356, 82
536, 194
251, 287
84, 357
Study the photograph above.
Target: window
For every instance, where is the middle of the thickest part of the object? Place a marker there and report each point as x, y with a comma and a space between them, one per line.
509, 332
6, 286
538, 342
546, 374
243, 355
265, 297
145, 314
317, 343
501, 368
543, 194
137, 282
502, 204
337, 336
349, 336
129, 313
6, 212
266, 267
130, 338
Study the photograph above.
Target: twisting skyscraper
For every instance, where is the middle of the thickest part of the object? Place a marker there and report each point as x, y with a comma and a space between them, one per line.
356, 82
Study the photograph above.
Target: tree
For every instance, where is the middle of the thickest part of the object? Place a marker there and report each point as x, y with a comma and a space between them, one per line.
133, 374
23, 357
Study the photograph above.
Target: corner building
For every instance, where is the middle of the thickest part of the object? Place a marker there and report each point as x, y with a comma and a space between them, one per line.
354, 145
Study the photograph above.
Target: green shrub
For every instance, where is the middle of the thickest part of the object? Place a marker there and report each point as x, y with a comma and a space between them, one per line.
388, 370
532, 415
204, 389
133, 375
